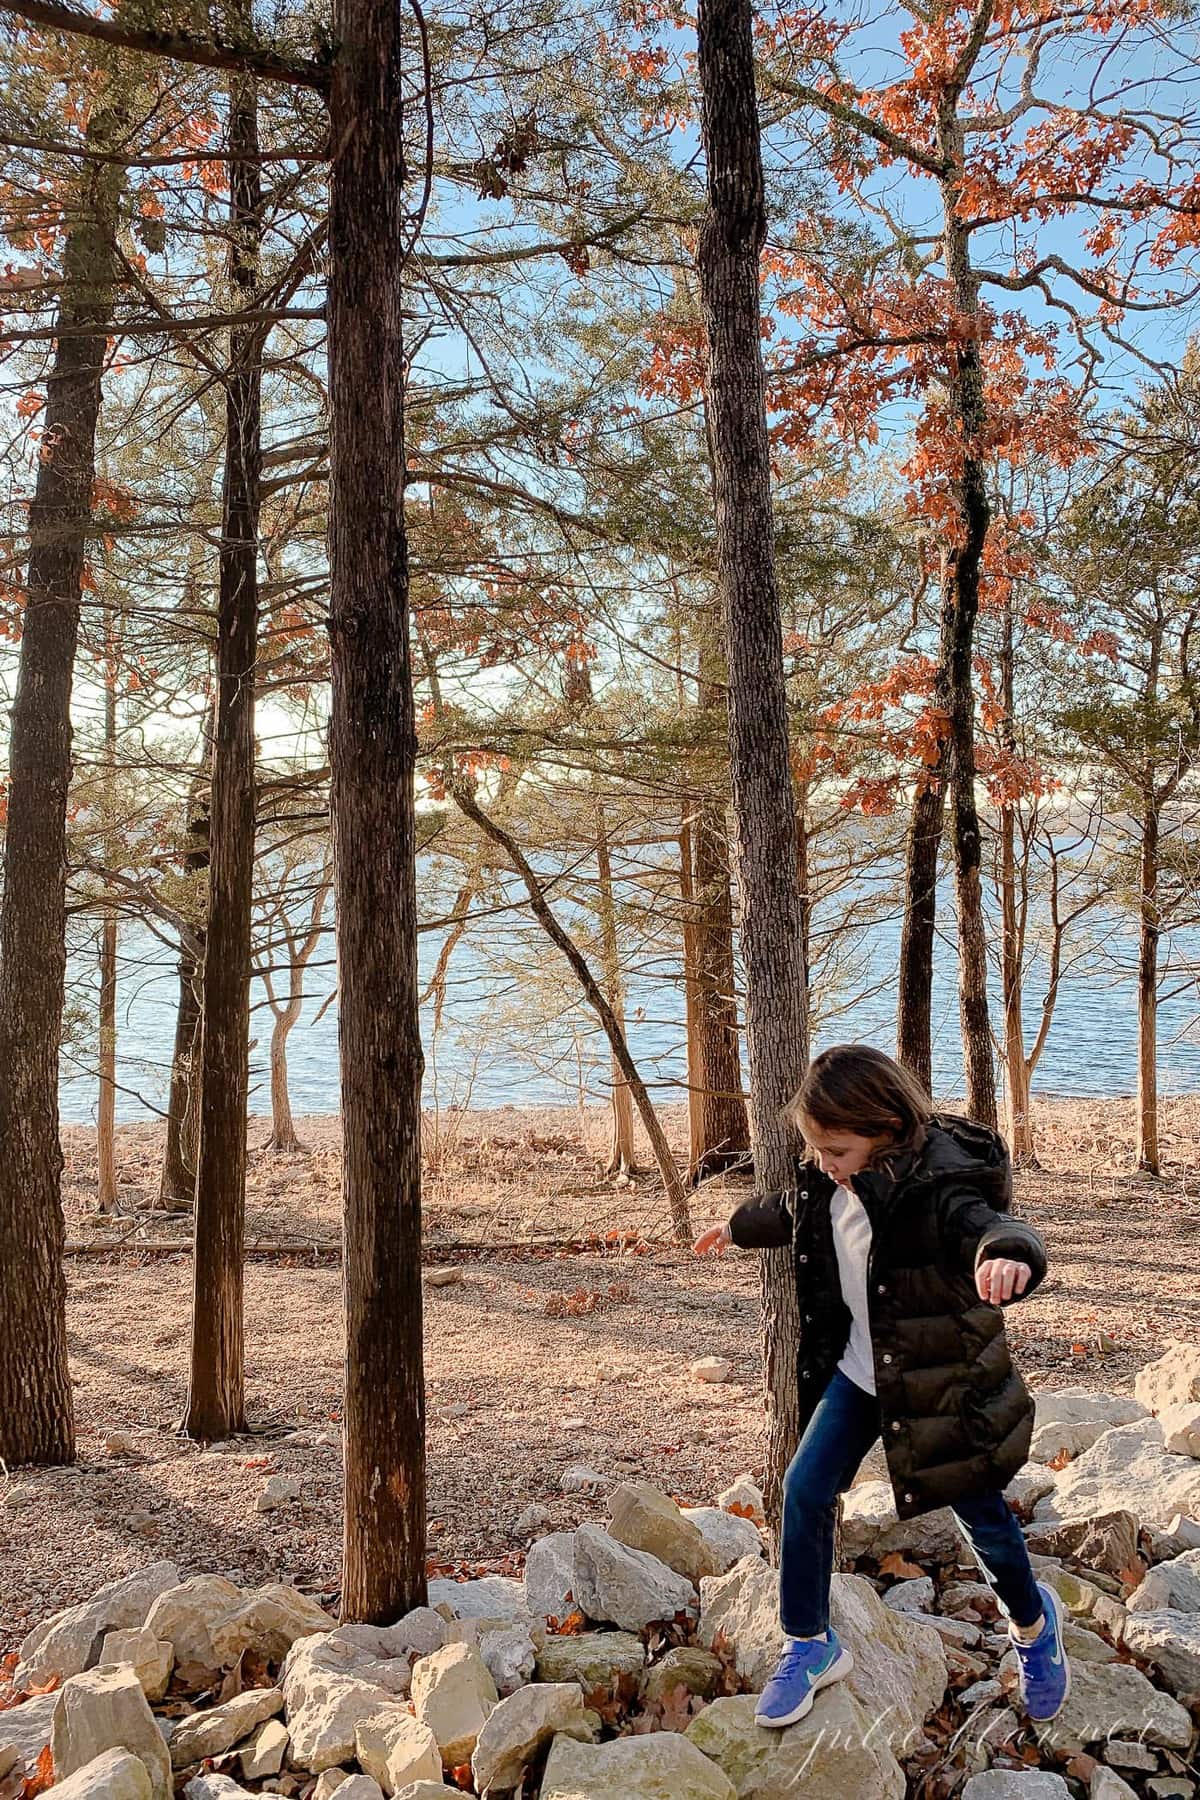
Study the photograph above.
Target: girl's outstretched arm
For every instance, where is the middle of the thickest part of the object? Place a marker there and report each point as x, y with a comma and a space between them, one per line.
765, 1222
976, 1233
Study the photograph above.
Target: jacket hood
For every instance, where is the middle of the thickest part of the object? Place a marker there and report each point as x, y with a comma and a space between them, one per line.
958, 1148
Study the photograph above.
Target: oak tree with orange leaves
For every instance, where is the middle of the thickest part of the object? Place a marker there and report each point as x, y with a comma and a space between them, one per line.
1022, 211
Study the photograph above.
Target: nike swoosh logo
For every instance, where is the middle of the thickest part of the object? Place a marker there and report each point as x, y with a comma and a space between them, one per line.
1056, 1659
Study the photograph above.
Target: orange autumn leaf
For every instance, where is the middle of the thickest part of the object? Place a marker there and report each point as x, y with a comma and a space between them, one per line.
42, 1778
895, 1563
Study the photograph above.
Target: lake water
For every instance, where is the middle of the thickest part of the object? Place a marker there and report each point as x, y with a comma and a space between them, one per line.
515, 1032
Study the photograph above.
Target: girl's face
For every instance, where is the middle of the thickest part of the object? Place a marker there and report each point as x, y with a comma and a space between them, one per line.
841, 1154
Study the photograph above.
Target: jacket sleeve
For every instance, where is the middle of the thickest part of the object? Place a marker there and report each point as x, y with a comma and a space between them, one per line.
765, 1222
975, 1233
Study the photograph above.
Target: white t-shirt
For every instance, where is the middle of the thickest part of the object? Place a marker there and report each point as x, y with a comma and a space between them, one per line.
852, 1241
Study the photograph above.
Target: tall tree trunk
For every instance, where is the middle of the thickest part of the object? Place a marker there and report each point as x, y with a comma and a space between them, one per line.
620, 1156
177, 1178
283, 1126
36, 1410
731, 238
914, 1005
106, 1103
695, 1065
1149, 925
1012, 917
961, 557
725, 1125
372, 751
216, 1392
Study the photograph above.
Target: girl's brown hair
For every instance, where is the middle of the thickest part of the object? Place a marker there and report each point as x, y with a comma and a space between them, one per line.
854, 1087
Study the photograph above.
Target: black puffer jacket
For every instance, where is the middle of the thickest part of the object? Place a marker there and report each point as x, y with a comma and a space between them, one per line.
956, 1415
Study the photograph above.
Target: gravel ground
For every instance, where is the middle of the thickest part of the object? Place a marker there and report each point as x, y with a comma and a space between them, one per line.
532, 1363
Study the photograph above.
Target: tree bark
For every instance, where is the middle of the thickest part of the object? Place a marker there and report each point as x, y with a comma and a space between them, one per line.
961, 558
724, 1122
914, 1005
1013, 902
695, 1065
36, 1409
106, 1100
620, 1156
283, 1137
731, 239
216, 1391
177, 1179
1149, 925
372, 750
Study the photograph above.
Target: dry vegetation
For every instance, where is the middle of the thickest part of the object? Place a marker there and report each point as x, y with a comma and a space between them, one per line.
540, 1357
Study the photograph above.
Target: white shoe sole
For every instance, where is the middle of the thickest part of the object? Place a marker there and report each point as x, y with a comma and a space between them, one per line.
1056, 1603
835, 1672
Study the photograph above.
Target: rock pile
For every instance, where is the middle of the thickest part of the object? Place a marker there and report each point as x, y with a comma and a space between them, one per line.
623, 1665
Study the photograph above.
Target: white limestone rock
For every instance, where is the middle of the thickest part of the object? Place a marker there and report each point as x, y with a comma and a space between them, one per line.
870, 1526
278, 1491
744, 1497
116, 1775
518, 1727
70, 1641
105, 1709
1181, 1428
1106, 1784
396, 1749
550, 1576
654, 1767
1016, 1784
899, 1672
1170, 1640
26, 1728
643, 1518
153, 1658
330, 1683
218, 1728
185, 1615
830, 1754
509, 1656
1173, 1379
712, 1369
453, 1694
626, 1587
914, 1596
604, 1665
267, 1621
264, 1754
1112, 1700
490, 1597
729, 1536
213, 1786
1174, 1583
1127, 1469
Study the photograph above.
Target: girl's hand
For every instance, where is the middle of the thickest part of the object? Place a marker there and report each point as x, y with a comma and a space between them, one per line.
716, 1239
1000, 1278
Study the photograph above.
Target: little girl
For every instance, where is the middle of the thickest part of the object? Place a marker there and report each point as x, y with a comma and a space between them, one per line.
904, 1252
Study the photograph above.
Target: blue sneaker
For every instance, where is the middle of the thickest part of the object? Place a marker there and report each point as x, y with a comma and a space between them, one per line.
803, 1668
1043, 1669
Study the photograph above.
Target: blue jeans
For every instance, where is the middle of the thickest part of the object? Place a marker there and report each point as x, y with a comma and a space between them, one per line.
842, 1429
